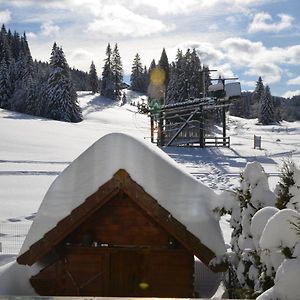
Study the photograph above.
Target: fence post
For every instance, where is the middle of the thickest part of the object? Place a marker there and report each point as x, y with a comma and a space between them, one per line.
257, 142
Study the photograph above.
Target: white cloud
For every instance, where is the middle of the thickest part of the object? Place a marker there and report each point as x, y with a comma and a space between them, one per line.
270, 72
207, 52
165, 7
251, 83
294, 81
49, 29
224, 70
5, 16
213, 27
117, 20
241, 52
291, 55
81, 54
290, 94
264, 22
31, 35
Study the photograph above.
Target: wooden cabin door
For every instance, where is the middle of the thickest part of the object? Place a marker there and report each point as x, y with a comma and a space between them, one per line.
126, 273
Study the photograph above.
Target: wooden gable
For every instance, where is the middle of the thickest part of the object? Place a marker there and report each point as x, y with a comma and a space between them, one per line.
141, 203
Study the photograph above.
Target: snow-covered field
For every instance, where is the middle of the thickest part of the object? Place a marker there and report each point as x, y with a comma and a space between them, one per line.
34, 151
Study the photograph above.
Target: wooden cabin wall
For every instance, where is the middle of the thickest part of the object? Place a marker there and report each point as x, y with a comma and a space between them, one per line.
121, 222
126, 249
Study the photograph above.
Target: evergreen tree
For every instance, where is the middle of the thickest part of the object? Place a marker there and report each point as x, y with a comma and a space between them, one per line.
185, 77
61, 95
124, 98
246, 261
5, 51
137, 77
31, 98
256, 98
107, 83
285, 183
163, 63
4, 85
22, 75
152, 66
117, 70
195, 79
267, 108
177, 88
15, 45
93, 78
145, 79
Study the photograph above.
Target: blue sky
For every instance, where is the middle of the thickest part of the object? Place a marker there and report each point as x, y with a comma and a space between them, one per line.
243, 38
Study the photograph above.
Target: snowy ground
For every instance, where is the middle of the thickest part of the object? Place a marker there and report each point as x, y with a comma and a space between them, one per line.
34, 151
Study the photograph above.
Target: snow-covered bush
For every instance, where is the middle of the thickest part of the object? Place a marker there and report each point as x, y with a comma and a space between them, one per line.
244, 260
286, 181
265, 245
280, 242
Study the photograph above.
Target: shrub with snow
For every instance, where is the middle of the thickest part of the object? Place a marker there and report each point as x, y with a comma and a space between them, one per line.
265, 244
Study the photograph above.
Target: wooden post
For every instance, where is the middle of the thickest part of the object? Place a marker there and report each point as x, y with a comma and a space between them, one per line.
201, 129
161, 134
257, 141
152, 128
224, 125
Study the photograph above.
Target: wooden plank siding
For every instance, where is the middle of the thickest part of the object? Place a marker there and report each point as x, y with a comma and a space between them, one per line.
118, 242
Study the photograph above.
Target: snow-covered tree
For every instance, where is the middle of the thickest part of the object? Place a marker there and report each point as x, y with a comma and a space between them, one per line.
93, 78
23, 74
107, 82
117, 71
244, 261
257, 98
177, 88
286, 181
185, 77
265, 257
5, 50
4, 85
163, 64
266, 116
137, 77
61, 95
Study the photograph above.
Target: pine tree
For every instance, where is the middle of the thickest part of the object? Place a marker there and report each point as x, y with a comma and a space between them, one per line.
177, 88
61, 95
107, 82
152, 66
285, 183
145, 79
22, 77
117, 70
267, 108
4, 85
137, 78
93, 78
5, 51
163, 63
256, 98
195, 79
246, 262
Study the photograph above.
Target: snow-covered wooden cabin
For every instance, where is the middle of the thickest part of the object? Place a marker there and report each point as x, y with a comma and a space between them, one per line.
122, 220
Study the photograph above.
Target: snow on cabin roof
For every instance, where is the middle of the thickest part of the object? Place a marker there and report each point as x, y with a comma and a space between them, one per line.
189, 201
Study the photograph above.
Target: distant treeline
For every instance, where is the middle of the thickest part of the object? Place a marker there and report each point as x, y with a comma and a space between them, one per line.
250, 106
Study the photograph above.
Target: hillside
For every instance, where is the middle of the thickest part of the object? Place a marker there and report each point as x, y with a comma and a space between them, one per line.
35, 150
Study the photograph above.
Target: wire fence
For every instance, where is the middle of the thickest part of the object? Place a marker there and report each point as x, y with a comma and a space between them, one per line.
12, 236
